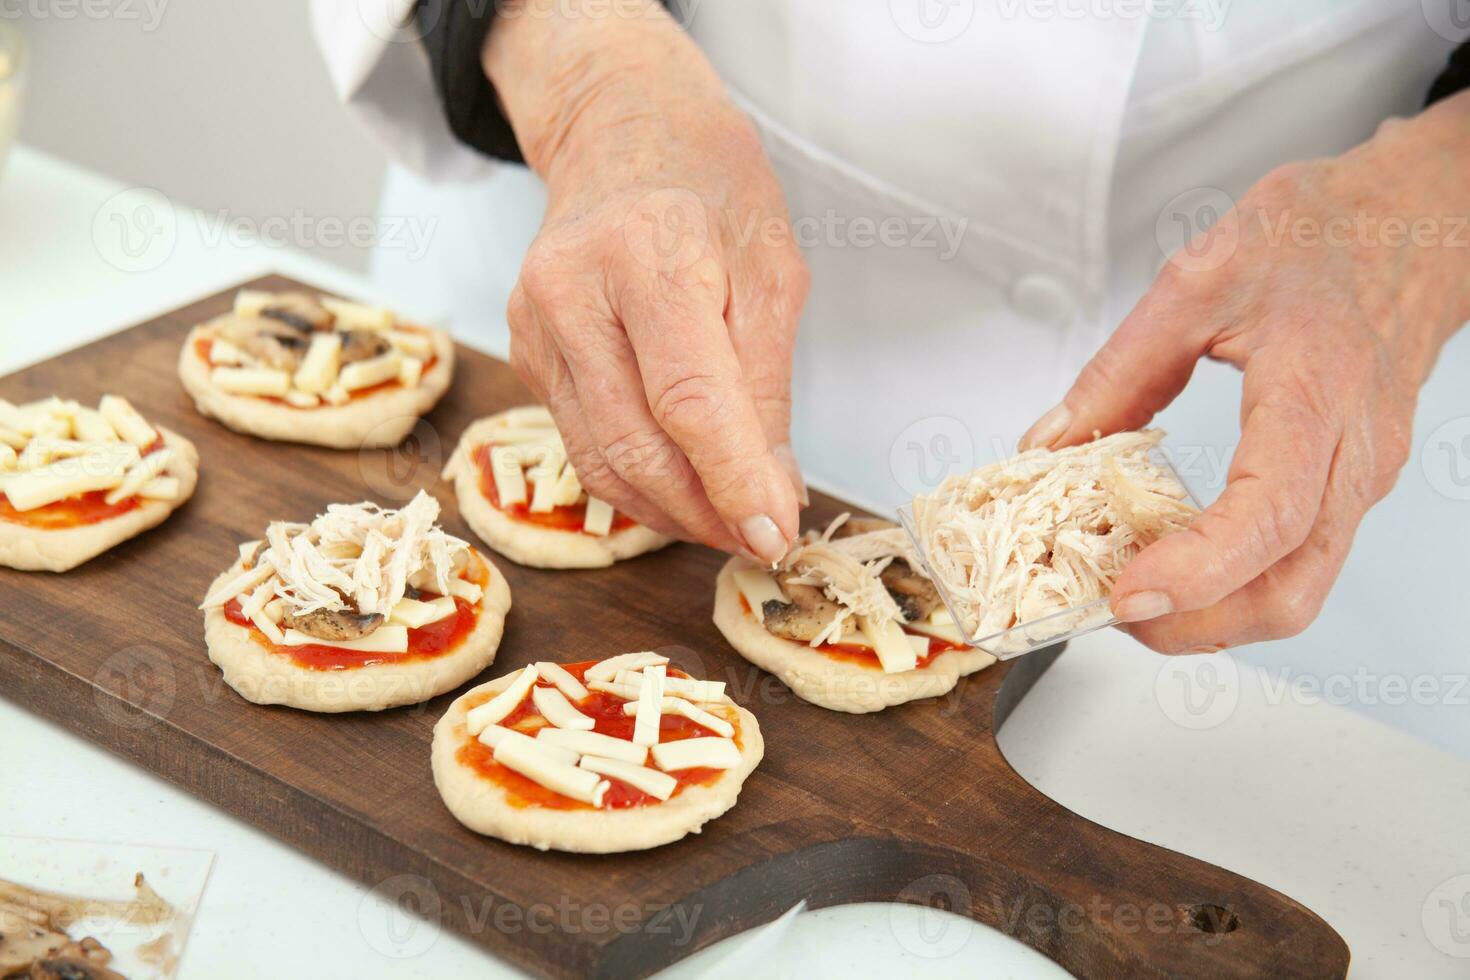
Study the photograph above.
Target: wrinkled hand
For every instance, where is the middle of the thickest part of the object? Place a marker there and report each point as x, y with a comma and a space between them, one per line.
656, 311
1335, 316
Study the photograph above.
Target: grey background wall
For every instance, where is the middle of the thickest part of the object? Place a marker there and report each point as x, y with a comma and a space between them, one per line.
223, 105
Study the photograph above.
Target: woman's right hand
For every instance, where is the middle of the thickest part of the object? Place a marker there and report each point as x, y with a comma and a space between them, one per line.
656, 311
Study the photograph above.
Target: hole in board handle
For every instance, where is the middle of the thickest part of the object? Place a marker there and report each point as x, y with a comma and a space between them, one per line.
1212, 918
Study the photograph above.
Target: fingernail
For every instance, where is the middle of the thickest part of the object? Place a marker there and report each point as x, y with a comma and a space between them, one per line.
788, 462
1048, 429
764, 538
1139, 606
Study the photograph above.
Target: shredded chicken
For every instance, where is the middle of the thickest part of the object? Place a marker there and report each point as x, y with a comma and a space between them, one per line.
361, 557
1045, 531
848, 571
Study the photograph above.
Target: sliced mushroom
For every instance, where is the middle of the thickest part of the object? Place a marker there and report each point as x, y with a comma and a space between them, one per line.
915, 594
363, 345
74, 962
23, 939
282, 351
300, 311
334, 624
807, 612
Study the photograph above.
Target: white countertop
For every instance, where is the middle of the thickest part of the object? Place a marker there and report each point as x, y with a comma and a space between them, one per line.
1237, 765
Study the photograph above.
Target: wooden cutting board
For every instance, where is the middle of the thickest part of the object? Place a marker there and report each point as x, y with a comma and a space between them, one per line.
914, 804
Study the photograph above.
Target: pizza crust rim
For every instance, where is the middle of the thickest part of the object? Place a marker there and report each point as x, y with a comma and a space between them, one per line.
822, 680
529, 545
262, 677
481, 805
377, 421
30, 549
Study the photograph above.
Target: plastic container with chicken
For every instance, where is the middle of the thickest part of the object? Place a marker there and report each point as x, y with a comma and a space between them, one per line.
1025, 552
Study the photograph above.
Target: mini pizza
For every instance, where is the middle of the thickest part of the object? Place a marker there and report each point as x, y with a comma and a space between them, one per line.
846, 620
519, 493
621, 754
360, 610
323, 371
75, 481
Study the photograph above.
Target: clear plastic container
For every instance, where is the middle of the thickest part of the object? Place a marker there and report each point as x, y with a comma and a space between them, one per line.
1037, 633
12, 85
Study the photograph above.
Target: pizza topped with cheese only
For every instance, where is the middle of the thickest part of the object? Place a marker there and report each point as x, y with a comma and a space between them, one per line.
520, 494
75, 481
603, 756
846, 619
362, 609
314, 369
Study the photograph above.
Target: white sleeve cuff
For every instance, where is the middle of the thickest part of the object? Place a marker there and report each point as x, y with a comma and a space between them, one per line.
381, 73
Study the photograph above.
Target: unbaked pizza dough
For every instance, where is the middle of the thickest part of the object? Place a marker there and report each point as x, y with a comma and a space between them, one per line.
69, 455
850, 681
260, 375
484, 790
264, 671
523, 542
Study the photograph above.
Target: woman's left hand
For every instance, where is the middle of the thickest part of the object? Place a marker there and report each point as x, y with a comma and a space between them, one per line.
1332, 285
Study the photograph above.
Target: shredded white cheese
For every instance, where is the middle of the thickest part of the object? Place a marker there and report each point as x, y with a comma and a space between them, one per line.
541, 745
847, 571
357, 557
1045, 531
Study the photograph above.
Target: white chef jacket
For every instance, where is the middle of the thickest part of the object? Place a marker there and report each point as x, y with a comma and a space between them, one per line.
982, 189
